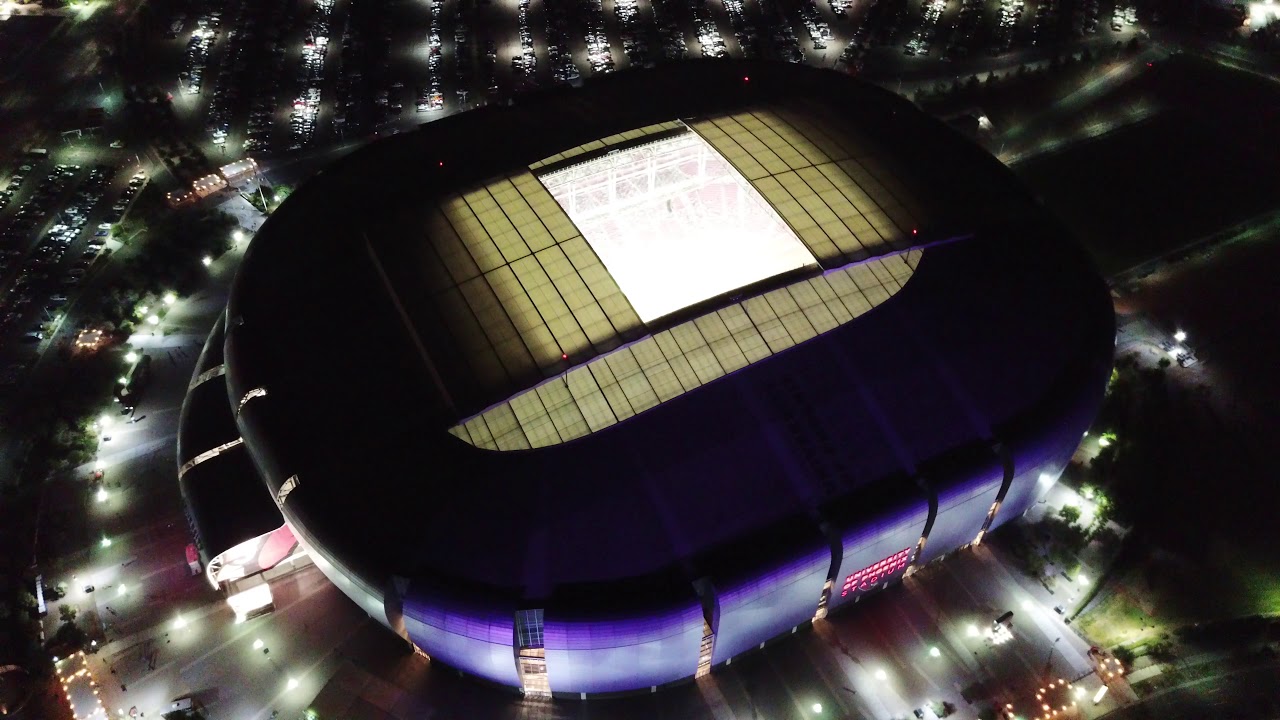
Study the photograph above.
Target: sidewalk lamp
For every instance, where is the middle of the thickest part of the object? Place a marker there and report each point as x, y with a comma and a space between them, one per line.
131, 357
1082, 579
881, 675
206, 261
1180, 336
179, 623
817, 708
102, 495
106, 541
143, 309
257, 644
170, 298
123, 380
237, 236
935, 652
120, 591
292, 684
972, 630
153, 319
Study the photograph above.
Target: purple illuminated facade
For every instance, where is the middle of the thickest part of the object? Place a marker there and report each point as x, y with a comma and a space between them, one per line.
675, 540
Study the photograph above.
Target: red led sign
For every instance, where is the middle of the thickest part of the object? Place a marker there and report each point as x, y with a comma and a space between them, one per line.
868, 577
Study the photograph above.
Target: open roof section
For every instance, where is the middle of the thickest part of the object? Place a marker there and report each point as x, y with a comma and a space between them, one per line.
674, 223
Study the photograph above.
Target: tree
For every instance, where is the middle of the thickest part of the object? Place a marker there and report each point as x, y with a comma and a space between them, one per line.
1069, 513
1124, 655
67, 613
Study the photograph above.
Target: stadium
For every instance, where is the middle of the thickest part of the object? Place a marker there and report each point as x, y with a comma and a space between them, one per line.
595, 391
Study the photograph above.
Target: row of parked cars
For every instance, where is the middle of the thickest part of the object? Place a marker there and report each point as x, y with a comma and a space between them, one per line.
47, 269
34, 212
631, 31
669, 19
306, 105
524, 67
926, 33
559, 14
599, 50
197, 55
706, 30
368, 96
782, 41
430, 97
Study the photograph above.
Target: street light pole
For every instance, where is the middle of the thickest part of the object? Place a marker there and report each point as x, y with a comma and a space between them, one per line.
1049, 659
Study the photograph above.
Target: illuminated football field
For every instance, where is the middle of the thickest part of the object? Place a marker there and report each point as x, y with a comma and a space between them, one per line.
675, 224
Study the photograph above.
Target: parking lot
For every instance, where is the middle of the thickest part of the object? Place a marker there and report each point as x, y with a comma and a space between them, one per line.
279, 78
56, 225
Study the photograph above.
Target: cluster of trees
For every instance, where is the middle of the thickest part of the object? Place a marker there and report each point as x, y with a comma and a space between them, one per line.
56, 413
1132, 467
1064, 537
169, 259
948, 96
268, 197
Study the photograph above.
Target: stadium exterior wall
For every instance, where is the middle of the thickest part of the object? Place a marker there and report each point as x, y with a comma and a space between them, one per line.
652, 648
770, 600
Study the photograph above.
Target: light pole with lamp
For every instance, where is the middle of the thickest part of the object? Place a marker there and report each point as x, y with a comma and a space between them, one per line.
1049, 659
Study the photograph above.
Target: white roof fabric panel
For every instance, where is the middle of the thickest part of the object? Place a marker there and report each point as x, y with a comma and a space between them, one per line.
634, 378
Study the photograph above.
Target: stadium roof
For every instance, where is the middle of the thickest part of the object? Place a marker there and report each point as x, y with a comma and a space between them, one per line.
524, 295
430, 280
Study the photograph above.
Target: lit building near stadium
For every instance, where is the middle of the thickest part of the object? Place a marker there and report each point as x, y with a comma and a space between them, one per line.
593, 392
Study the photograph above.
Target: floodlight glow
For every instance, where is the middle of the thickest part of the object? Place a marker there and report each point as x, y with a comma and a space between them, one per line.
106, 542
293, 683
257, 644
882, 675
675, 224
817, 707
102, 494
153, 320
972, 631
935, 652
1026, 605
237, 236
179, 623
1046, 478
1180, 336
131, 357
206, 261
104, 421
170, 298
120, 591
1082, 579
1104, 441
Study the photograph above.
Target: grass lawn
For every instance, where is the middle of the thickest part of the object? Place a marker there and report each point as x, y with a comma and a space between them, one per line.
1206, 160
